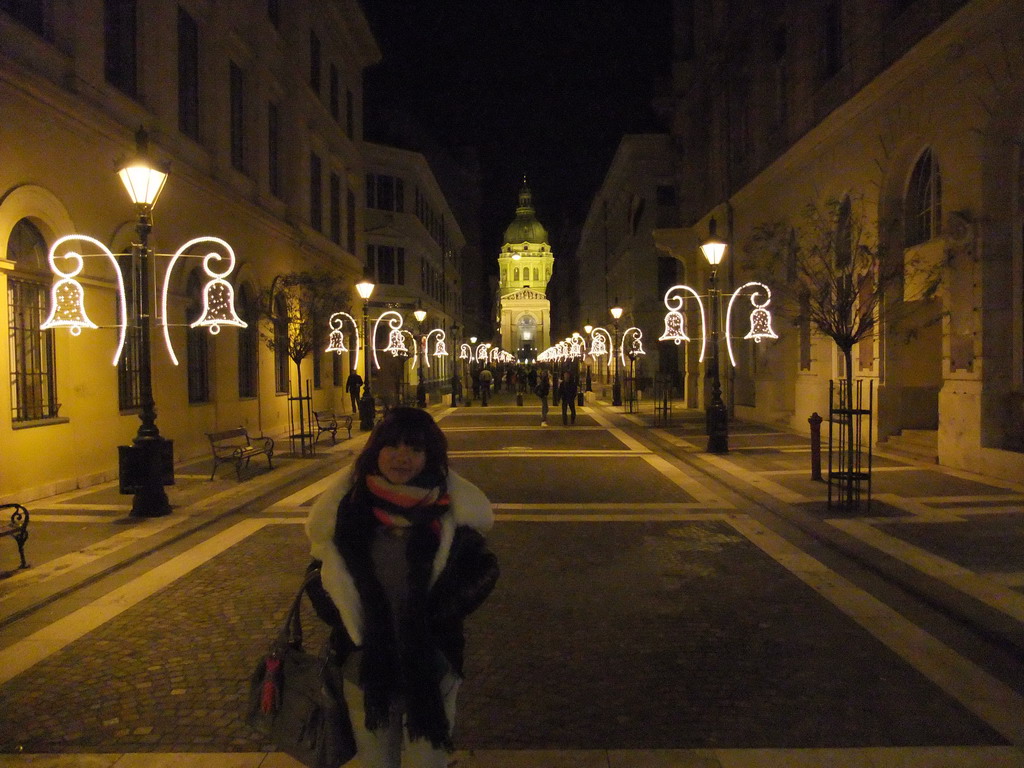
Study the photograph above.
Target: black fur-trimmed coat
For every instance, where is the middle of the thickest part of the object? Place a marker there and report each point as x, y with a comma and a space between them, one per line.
463, 573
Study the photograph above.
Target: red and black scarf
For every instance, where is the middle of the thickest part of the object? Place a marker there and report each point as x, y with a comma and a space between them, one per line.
405, 506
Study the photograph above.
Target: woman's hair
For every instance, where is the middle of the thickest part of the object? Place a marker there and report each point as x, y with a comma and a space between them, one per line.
413, 427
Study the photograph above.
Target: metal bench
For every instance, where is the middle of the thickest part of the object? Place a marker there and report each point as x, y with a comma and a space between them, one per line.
238, 447
327, 421
16, 528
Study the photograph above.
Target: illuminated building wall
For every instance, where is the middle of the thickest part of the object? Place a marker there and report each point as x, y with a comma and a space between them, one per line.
258, 109
524, 269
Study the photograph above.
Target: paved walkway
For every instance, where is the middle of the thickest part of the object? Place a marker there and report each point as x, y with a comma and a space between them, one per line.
952, 537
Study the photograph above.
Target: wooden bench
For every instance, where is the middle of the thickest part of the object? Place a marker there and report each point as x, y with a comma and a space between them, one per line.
327, 421
16, 528
238, 446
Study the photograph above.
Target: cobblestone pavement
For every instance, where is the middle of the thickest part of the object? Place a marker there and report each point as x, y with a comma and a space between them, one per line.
646, 615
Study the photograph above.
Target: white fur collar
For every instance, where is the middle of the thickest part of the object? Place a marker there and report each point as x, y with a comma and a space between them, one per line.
469, 507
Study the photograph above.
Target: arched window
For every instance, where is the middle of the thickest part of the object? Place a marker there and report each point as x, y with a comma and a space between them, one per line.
923, 204
197, 343
280, 344
536, 274
515, 275
32, 361
248, 341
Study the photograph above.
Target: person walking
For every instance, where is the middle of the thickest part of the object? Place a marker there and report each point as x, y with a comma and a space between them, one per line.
352, 385
486, 377
543, 389
567, 395
403, 561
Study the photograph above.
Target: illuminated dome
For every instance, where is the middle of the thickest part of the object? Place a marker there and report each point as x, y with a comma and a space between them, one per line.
526, 228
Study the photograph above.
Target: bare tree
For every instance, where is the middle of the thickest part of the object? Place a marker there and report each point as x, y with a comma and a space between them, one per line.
296, 309
835, 277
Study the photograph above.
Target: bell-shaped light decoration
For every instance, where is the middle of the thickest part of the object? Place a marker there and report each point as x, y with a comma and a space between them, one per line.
760, 325
576, 347
396, 344
675, 327
598, 346
465, 352
635, 347
440, 350
336, 342
218, 307
67, 308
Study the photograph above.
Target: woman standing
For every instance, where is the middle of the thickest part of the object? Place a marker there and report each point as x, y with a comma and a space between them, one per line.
403, 562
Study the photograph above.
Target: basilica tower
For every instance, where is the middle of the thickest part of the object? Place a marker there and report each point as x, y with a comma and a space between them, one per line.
524, 269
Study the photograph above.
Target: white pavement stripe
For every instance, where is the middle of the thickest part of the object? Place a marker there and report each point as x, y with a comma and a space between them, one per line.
605, 517
545, 453
857, 757
756, 479
988, 698
57, 517
28, 652
701, 493
310, 491
660, 505
63, 565
986, 590
79, 507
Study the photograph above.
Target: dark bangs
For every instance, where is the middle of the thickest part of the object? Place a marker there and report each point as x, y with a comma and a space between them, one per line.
414, 428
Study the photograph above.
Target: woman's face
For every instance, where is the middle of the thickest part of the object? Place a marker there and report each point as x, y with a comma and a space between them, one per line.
401, 463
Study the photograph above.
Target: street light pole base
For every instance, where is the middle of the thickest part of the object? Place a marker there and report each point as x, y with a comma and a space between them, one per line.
150, 502
367, 414
718, 428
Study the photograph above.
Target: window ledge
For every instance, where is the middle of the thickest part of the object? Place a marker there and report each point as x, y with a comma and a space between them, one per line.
39, 422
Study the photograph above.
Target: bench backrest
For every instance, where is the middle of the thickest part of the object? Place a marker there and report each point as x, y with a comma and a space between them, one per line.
236, 436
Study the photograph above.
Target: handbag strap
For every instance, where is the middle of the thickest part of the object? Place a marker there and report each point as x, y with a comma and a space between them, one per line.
291, 632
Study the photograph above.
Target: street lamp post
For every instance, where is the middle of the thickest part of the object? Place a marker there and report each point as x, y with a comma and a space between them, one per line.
149, 461
617, 383
366, 405
717, 414
421, 388
455, 366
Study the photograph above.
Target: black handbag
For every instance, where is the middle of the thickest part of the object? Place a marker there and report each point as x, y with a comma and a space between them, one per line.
296, 698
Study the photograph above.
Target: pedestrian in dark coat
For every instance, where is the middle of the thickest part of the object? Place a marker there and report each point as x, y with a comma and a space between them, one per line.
543, 389
567, 395
352, 386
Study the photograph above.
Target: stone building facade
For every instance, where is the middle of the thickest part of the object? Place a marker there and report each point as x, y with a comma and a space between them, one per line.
913, 109
257, 108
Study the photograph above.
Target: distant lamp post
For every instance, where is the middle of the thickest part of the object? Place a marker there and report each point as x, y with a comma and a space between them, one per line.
421, 350
717, 414
366, 405
616, 312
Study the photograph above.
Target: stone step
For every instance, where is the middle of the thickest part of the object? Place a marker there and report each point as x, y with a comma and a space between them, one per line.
919, 444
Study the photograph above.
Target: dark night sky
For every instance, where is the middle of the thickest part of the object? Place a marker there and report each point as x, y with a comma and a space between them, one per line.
544, 88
